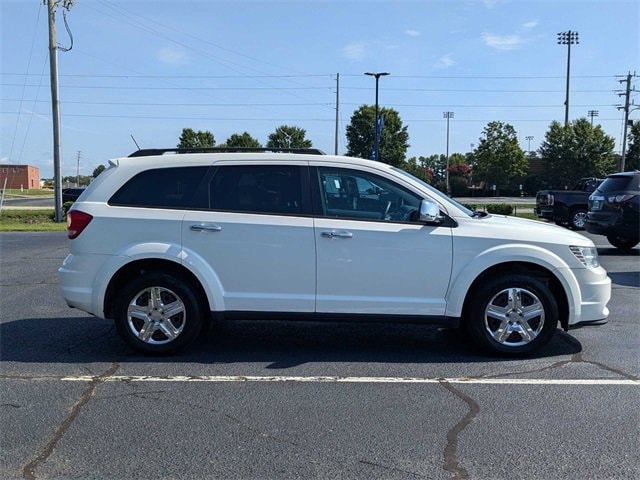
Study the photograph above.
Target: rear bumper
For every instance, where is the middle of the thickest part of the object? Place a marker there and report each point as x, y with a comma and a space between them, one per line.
79, 275
611, 225
546, 213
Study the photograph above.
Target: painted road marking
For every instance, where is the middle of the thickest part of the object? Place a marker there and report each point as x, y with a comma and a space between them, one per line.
335, 379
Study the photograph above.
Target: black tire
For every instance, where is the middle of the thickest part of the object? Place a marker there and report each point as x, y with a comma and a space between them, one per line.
508, 336
174, 318
578, 219
621, 242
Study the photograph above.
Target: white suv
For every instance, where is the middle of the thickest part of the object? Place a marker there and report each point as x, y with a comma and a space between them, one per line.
160, 241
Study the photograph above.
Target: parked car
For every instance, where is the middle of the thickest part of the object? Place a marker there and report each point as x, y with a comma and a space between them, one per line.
158, 242
567, 207
71, 194
614, 210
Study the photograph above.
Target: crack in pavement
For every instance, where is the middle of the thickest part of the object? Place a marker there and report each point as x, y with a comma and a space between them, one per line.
451, 462
29, 471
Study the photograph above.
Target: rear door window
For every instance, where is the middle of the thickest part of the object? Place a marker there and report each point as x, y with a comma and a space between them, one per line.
270, 189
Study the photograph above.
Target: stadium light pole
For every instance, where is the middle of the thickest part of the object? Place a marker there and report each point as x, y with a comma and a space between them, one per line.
567, 38
529, 138
377, 76
448, 116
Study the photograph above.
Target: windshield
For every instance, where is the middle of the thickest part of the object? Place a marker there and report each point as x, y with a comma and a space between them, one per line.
434, 191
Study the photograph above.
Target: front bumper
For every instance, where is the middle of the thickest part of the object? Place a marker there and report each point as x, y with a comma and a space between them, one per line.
590, 302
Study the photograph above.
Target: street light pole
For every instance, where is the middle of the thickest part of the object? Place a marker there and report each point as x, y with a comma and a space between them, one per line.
377, 76
448, 116
567, 38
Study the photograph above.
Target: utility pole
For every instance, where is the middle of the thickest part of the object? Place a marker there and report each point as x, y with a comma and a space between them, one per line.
55, 107
593, 113
78, 156
627, 95
567, 38
335, 150
55, 102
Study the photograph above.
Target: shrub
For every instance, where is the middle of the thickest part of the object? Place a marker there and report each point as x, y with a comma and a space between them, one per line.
500, 208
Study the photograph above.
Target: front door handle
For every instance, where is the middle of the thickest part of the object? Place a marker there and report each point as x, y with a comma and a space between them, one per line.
202, 227
337, 234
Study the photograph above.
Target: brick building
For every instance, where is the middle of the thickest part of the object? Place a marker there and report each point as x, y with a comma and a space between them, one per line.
19, 176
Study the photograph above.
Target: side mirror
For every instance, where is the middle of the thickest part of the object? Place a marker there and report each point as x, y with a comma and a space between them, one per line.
430, 212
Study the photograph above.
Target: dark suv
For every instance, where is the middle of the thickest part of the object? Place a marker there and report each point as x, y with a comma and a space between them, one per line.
614, 210
71, 194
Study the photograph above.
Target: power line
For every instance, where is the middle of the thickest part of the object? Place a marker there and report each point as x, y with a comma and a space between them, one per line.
111, 87
288, 119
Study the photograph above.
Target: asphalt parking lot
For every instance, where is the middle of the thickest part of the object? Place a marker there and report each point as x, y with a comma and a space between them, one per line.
308, 400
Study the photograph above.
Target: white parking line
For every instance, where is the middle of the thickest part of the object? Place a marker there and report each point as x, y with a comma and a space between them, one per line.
332, 379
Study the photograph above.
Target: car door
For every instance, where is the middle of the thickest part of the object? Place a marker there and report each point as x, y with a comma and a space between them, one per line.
257, 236
373, 257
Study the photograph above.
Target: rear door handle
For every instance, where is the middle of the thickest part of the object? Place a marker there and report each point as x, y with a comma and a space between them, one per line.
337, 234
202, 227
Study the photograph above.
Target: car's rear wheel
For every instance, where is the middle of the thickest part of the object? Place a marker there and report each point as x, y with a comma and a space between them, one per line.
512, 314
158, 313
578, 219
622, 242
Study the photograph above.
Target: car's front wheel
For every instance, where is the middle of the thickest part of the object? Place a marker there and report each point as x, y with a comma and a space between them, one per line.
158, 313
621, 242
512, 314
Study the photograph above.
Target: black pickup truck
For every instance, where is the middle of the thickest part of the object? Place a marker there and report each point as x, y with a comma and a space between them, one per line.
567, 207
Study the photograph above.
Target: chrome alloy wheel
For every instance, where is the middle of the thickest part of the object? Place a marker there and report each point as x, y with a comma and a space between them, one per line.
579, 219
514, 317
156, 315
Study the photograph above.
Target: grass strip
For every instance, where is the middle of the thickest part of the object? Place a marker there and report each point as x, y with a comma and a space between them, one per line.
29, 221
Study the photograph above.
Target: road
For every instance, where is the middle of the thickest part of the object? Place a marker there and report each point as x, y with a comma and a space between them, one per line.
284, 400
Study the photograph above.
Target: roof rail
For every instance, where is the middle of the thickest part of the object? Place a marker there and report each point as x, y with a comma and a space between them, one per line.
161, 151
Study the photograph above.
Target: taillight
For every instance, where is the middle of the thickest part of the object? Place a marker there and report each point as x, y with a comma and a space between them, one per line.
620, 198
76, 223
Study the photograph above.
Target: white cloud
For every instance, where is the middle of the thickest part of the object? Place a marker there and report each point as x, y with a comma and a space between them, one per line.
412, 33
172, 56
356, 51
502, 42
529, 25
445, 61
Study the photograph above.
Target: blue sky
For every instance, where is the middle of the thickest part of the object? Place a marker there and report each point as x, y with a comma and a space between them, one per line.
151, 68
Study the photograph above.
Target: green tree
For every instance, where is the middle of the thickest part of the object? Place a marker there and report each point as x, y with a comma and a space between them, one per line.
286, 136
499, 160
418, 168
632, 158
98, 170
394, 140
243, 140
192, 139
575, 151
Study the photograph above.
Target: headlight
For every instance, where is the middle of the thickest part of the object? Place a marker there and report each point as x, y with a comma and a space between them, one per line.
588, 256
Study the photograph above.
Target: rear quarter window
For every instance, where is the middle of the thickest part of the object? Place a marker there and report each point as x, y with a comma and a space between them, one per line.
163, 188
